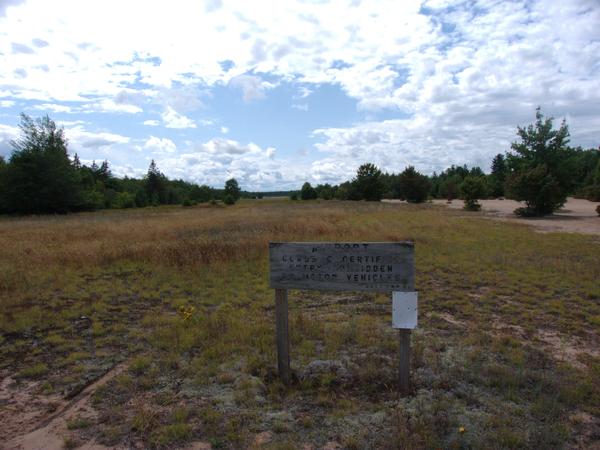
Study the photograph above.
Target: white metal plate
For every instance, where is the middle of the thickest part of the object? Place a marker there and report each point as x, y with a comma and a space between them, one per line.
404, 310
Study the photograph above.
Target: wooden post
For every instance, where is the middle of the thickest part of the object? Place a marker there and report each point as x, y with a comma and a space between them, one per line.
404, 334
283, 343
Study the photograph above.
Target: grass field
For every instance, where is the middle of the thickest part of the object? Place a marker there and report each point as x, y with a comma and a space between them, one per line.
506, 355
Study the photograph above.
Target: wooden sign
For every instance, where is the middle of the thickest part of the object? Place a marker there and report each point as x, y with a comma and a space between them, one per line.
356, 266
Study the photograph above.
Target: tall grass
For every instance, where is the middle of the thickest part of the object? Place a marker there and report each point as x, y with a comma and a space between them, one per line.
490, 294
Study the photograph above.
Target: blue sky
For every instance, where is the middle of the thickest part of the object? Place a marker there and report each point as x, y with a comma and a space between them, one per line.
278, 93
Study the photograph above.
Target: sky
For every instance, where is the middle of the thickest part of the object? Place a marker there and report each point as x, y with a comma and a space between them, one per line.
276, 93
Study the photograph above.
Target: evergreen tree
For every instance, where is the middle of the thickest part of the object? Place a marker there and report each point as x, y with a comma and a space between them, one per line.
413, 186
368, 183
3, 204
232, 189
307, 192
540, 159
155, 185
40, 178
472, 189
498, 175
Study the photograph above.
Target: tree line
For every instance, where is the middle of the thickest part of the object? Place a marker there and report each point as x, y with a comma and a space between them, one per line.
540, 169
40, 178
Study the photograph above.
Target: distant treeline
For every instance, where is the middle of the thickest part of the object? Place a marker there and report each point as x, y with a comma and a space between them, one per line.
40, 178
541, 170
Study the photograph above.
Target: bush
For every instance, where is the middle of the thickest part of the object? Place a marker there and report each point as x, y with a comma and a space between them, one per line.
228, 199
598, 210
472, 189
123, 200
539, 189
294, 196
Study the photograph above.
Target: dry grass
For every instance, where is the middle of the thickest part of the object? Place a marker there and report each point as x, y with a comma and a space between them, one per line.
489, 293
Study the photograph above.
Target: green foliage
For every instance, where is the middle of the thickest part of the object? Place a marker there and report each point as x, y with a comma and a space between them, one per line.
228, 199
232, 189
538, 188
123, 200
155, 185
325, 191
413, 186
498, 176
294, 196
472, 189
368, 183
347, 191
307, 192
539, 168
37, 370
201, 194
40, 178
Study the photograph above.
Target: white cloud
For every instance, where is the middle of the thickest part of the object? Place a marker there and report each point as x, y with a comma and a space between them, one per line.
217, 160
110, 106
457, 76
172, 119
252, 87
53, 107
224, 130
82, 138
300, 106
160, 145
151, 123
7, 103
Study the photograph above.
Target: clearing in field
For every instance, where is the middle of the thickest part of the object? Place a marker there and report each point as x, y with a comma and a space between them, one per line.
154, 328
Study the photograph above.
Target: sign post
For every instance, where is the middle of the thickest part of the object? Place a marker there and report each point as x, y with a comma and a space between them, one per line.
354, 266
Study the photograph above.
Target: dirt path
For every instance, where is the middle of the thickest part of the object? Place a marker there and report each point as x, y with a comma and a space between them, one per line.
577, 216
44, 418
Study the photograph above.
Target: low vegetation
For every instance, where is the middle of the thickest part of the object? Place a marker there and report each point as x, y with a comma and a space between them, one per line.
505, 355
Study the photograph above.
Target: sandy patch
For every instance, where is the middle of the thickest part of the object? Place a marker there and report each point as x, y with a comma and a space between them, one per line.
569, 349
30, 425
577, 216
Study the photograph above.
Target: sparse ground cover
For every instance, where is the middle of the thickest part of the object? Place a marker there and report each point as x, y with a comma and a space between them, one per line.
173, 304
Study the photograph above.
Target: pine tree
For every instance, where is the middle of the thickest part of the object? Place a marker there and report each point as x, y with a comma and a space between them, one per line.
369, 183
155, 185
40, 178
540, 175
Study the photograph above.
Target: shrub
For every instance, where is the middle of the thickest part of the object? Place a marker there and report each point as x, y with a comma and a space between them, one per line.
124, 200
472, 189
539, 189
228, 199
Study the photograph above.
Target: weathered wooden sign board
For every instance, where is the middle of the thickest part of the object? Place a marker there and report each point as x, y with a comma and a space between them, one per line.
352, 266
364, 266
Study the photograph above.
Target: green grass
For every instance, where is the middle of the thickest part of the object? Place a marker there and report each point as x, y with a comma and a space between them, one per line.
506, 346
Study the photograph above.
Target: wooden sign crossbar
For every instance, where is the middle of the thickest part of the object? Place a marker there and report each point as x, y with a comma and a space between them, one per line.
352, 266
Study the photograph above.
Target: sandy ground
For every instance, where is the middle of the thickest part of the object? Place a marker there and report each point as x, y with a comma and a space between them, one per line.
44, 427
577, 216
